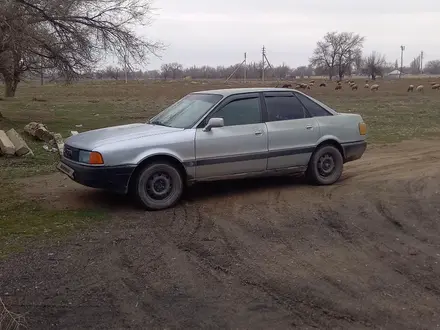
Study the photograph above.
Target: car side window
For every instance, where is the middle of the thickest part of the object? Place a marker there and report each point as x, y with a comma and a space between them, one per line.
314, 108
286, 107
240, 112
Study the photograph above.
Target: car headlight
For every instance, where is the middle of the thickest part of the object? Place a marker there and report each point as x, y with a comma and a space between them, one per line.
90, 157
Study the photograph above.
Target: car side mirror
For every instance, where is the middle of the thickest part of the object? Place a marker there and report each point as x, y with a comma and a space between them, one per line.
214, 122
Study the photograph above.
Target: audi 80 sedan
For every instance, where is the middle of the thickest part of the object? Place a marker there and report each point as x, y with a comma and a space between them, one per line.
214, 135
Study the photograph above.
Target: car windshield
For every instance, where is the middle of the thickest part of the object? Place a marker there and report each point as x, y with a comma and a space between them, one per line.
187, 111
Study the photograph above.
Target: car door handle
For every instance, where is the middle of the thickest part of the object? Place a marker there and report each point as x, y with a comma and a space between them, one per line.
309, 127
259, 133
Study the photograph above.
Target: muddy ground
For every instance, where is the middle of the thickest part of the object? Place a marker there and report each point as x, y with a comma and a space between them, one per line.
263, 254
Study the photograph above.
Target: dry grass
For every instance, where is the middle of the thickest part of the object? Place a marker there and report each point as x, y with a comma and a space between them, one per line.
10, 320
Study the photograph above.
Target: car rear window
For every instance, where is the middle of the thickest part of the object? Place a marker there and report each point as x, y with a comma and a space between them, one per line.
314, 109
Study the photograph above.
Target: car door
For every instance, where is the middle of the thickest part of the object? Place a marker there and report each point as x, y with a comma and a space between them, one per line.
292, 133
237, 148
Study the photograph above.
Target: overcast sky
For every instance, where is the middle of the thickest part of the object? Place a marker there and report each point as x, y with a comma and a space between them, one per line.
213, 32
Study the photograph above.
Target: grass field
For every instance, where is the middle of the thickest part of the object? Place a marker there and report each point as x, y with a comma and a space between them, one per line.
392, 115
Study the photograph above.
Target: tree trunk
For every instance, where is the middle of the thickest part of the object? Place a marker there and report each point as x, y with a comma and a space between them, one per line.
373, 76
11, 84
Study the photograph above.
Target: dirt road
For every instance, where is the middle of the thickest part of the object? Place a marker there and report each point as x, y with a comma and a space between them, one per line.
265, 254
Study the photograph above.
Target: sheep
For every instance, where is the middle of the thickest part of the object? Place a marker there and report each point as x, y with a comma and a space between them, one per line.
367, 81
287, 86
367, 85
436, 86
433, 83
420, 88
410, 88
338, 87
303, 86
374, 87
322, 85
312, 82
351, 83
354, 87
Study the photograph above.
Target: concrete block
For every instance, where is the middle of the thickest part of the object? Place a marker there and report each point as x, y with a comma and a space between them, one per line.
59, 142
73, 133
6, 145
21, 147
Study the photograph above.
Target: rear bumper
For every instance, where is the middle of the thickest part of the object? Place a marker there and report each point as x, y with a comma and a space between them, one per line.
112, 178
354, 150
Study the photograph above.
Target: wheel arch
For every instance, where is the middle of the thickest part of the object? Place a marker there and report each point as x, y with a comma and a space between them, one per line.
157, 158
331, 142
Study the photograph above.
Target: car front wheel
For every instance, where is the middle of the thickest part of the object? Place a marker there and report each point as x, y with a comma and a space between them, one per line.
326, 165
159, 186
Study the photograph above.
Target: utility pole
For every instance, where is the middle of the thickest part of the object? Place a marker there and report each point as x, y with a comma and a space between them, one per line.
421, 61
238, 67
264, 58
402, 48
245, 67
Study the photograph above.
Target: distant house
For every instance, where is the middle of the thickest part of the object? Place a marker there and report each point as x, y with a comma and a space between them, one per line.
395, 74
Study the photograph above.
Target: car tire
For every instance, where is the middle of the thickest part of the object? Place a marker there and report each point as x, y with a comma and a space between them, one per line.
325, 166
159, 186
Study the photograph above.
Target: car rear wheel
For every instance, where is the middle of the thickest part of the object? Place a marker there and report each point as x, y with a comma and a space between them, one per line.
326, 165
159, 186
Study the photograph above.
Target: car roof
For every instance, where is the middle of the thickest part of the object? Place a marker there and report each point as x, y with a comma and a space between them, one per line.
232, 91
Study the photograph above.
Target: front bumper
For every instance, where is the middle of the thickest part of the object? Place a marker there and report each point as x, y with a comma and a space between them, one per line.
354, 150
112, 178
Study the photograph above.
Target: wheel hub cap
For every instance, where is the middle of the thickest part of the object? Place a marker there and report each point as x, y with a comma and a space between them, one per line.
159, 185
326, 165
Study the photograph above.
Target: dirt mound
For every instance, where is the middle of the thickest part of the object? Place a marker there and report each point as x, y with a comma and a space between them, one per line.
261, 254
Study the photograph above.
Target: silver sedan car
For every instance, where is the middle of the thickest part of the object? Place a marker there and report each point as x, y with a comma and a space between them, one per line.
215, 135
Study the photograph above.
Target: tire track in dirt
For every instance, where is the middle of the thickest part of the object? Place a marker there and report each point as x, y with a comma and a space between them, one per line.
271, 253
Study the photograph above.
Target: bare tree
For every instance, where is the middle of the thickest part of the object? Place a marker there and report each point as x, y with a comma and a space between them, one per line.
337, 51
415, 65
112, 72
166, 70
176, 69
375, 64
303, 71
70, 35
433, 67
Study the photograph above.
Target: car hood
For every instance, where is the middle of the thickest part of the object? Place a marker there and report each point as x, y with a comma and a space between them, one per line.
98, 137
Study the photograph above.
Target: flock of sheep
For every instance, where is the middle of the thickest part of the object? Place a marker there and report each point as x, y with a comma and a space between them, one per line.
420, 88
354, 86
